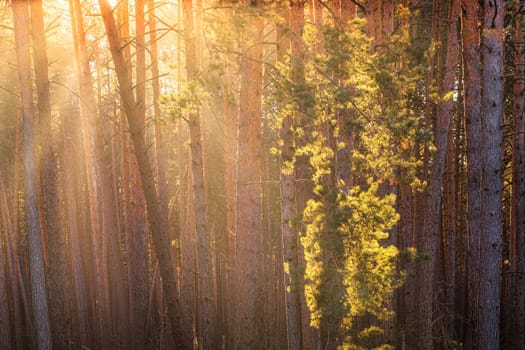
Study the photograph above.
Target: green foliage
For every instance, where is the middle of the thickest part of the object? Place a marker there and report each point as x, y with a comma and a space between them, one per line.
373, 96
188, 100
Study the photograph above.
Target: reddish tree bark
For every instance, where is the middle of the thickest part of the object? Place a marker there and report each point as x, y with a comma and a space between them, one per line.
249, 189
472, 91
5, 317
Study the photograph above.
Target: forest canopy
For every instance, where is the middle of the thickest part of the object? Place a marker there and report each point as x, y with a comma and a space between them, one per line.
301, 174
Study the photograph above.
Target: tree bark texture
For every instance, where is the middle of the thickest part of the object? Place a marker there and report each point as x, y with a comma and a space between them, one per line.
57, 272
472, 90
517, 254
36, 262
492, 182
249, 188
432, 220
207, 313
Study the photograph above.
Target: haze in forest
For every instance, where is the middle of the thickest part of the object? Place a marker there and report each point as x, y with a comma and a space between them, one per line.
214, 174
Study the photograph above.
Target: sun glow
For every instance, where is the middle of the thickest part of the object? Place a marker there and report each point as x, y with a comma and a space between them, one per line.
63, 5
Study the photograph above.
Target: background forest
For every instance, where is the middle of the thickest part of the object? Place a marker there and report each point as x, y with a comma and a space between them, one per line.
320, 174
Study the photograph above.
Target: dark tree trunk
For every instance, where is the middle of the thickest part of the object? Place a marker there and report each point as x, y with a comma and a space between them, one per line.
492, 169
432, 220
472, 89
517, 242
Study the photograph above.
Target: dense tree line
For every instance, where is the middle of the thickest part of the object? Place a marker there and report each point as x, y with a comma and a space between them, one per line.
319, 174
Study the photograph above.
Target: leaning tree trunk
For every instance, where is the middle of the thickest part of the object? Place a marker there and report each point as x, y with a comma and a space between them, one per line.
157, 221
36, 261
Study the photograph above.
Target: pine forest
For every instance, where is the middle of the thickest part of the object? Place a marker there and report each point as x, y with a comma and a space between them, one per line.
258, 174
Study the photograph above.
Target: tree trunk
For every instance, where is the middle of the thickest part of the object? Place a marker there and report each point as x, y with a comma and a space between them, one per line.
492, 170
450, 236
155, 218
58, 281
68, 185
472, 89
388, 18
18, 287
374, 20
125, 159
432, 222
207, 317
517, 256
89, 119
36, 262
231, 110
162, 186
249, 189
136, 245
5, 316
290, 237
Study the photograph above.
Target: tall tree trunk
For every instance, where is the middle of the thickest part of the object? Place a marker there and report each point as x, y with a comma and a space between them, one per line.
348, 11
125, 156
162, 186
16, 282
188, 260
5, 316
230, 122
374, 21
518, 183
93, 145
492, 170
58, 281
68, 185
432, 222
387, 18
472, 89
137, 258
156, 220
36, 262
186, 212
207, 314
290, 237
249, 189
450, 235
